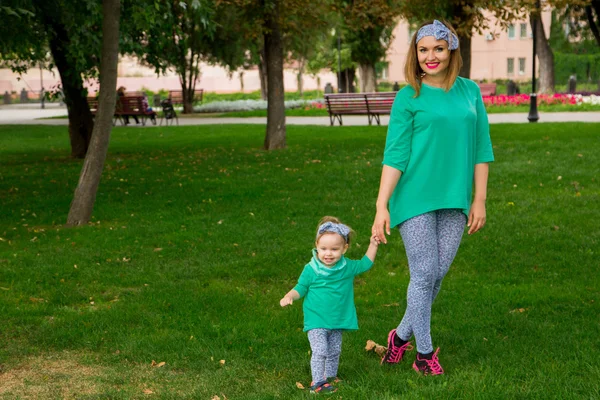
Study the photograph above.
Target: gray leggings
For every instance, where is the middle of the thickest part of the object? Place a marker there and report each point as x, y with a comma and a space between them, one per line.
431, 241
326, 346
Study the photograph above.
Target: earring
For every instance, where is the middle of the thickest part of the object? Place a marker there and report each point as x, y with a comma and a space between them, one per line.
423, 74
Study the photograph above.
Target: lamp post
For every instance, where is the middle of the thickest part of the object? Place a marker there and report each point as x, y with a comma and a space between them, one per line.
533, 112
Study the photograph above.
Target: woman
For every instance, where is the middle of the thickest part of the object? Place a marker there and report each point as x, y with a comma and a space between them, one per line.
438, 146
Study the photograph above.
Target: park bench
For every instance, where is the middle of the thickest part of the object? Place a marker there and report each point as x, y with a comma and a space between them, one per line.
126, 106
371, 104
176, 96
487, 89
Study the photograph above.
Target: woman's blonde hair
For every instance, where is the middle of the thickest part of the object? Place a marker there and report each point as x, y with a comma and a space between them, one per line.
335, 221
413, 72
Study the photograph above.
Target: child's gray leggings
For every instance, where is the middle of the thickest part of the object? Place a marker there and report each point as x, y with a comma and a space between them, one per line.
431, 241
326, 346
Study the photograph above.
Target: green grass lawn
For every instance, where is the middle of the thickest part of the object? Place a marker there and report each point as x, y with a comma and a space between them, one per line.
197, 233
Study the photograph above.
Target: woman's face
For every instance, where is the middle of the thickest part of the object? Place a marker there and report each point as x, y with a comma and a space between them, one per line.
433, 55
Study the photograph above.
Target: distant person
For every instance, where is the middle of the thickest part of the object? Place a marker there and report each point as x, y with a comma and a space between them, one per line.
147, 109
438, 147
327, 285
121, 93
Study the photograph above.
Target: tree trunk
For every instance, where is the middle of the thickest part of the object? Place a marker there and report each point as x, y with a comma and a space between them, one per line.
275, 136
89, 180
545, 56
465, 52
347, 81
188, 99
300, 78
590, 17
262, 74
367, 78
241, 76
81, 122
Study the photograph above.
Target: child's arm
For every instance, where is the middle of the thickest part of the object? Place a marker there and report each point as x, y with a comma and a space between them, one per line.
289, 298
372, 250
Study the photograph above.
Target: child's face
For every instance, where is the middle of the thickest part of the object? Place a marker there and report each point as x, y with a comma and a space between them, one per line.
330, 248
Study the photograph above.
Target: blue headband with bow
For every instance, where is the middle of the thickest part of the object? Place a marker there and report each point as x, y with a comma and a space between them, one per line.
439, 31
332, 227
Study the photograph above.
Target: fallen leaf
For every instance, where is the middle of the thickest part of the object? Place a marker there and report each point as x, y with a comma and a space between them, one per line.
222, 362
158, 249
392, 305
299, 385
148, 391
370, 345
559, 178
215, 397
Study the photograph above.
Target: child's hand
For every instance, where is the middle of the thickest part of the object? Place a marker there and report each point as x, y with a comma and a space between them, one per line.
286, 301
375, 241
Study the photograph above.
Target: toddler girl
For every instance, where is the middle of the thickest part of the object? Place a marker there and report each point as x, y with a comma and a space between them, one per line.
327, 283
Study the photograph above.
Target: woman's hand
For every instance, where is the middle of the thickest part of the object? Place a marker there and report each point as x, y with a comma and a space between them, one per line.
381, 225
476, 216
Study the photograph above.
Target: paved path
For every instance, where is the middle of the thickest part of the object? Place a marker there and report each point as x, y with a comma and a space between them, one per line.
30, 114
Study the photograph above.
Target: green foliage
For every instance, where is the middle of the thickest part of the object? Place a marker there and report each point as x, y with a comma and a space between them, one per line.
198, 233
586, 67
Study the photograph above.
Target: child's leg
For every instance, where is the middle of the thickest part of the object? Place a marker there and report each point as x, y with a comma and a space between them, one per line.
318, 347
333, 355
450, 228
419, 235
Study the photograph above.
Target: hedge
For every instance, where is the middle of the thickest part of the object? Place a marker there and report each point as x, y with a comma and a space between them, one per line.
584, 66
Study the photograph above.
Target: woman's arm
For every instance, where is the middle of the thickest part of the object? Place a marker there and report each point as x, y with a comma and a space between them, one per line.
389, 179
477, 212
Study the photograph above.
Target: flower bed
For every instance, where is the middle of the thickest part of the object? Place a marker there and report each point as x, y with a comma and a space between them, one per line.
252, 105
542, 100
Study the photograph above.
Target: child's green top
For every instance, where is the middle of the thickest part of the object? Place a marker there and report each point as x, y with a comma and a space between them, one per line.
329, 293
435, 140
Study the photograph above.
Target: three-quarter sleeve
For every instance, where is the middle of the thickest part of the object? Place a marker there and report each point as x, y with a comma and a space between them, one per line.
399, 135
483, 151
304, 282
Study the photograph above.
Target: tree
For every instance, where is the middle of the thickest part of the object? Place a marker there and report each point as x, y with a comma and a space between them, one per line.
543, 50
368, 27
274, 20
68, 30
85, 194
183, 33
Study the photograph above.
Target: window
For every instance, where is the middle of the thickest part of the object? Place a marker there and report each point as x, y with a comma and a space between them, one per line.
510, 66
521, 66
511, 31
523, 31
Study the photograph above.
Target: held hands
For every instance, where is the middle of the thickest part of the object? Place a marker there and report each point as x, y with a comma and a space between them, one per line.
381, 225
476, 216
375, 240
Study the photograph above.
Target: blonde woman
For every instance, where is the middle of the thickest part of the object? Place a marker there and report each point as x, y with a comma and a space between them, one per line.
438, 148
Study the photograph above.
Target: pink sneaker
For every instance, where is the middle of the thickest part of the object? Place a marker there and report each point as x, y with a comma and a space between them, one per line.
394, 353
428, 367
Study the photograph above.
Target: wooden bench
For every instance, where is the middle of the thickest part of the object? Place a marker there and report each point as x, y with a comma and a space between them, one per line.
176, 96
487, 89
371, 104
126, 106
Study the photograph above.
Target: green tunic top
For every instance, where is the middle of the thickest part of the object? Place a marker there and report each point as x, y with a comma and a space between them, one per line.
329, 293
435, 140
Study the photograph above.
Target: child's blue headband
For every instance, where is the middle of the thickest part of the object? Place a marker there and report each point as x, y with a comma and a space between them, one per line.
332, 227
439, 31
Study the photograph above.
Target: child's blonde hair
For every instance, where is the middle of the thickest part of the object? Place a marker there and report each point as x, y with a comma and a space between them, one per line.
335, 221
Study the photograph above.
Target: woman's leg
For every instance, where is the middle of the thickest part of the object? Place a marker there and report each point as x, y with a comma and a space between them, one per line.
318, 347
420, 241
450, 228
333, 355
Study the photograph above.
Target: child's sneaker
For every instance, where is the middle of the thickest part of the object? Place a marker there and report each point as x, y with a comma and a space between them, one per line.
321, 387
394, 353
428, 366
